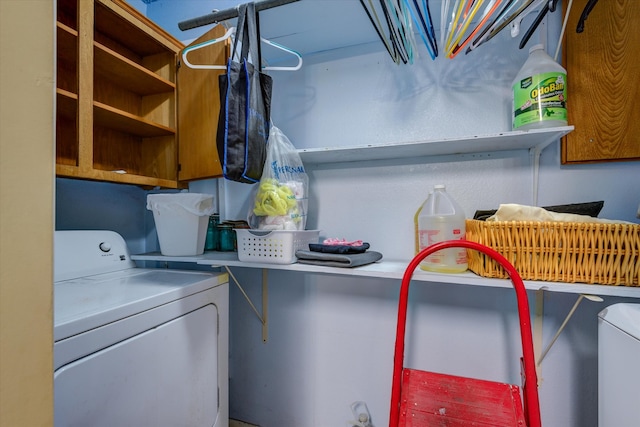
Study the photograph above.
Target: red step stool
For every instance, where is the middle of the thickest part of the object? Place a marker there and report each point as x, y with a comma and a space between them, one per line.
427, 399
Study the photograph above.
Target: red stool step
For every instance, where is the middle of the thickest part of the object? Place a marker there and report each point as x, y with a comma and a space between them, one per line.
433, 400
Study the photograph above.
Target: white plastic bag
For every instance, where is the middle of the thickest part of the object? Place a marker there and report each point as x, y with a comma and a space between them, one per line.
194, 203
280, 198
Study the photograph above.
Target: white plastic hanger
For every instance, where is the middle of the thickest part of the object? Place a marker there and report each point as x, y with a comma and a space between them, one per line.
285, 49
533, 5
230, 32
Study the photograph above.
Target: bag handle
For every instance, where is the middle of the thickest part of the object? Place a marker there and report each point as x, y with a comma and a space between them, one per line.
247, 33
242, 34
258, 38
253, 37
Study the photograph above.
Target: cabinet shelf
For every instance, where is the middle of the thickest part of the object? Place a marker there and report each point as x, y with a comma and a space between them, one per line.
66, 64
113, 118
127, 73
504, 141
118, 24
113, 176
66, 127
395, 270
67, 104
67, 39
66, 14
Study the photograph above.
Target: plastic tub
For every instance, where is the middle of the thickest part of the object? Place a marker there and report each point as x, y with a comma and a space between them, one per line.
181, 221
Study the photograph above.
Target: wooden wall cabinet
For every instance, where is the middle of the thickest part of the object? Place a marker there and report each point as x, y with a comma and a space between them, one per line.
602, 82
119, 104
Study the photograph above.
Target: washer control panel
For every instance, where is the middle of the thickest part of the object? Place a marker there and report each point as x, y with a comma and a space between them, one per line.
79, 253
105, 246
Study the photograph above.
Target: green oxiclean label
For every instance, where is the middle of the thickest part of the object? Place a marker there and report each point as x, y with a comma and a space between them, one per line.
540, 98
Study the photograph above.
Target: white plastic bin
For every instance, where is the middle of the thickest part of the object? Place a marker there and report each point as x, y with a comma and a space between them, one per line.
273, 247
181, 221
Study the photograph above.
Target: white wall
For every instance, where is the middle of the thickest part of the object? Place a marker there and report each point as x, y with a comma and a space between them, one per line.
331, 338
85, 205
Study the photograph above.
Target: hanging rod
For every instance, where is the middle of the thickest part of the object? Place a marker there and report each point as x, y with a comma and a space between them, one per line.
223, 15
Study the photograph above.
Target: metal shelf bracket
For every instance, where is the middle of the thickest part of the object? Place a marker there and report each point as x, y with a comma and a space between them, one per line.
534, 155
538, 322
265, 292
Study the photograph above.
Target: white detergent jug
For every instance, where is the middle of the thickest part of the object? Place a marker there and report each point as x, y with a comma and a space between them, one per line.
440, 218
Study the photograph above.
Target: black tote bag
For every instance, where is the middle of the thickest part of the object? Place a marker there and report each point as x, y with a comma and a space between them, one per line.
245, 105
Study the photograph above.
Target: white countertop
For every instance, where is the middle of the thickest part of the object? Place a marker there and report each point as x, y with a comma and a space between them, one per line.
394, 269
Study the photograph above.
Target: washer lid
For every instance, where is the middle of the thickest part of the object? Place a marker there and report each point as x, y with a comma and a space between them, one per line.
624, 316
90, 302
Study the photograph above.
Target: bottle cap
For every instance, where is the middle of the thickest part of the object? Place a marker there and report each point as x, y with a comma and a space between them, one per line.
536, 47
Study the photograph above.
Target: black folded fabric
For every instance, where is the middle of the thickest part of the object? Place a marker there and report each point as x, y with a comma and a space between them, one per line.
338, 260
338, 249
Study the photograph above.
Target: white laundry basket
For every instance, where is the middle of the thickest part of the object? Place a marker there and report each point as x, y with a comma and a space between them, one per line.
181, 221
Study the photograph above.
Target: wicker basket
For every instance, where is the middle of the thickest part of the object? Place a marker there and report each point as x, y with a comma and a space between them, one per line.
598, 253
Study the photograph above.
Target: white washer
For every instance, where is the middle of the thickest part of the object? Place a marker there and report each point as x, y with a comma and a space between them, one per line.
136, 346
618, 368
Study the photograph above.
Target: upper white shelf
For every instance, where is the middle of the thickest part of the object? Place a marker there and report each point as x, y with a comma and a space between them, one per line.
503, 141
395, 270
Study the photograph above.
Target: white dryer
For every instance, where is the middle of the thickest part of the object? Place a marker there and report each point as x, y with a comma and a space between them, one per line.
618, 369
136, 346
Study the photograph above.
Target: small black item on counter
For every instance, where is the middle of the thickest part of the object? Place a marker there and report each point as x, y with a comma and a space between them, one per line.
338, 260
338, 249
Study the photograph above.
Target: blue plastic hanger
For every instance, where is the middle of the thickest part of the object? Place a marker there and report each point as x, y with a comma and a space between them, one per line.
396, 30
424, 25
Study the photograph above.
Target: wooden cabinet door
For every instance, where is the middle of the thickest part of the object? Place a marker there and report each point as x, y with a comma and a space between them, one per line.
198, 108
603, 69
